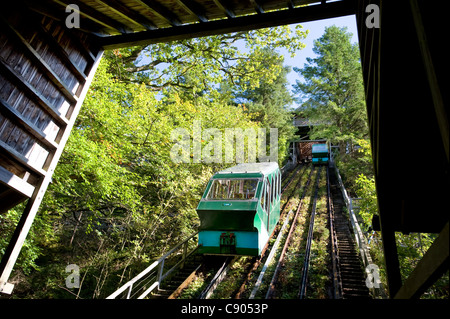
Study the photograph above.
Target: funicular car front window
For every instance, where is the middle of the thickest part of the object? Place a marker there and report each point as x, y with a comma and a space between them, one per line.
232, 189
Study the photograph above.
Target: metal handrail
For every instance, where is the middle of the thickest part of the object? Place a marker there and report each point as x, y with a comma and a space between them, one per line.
160, 274
360, 238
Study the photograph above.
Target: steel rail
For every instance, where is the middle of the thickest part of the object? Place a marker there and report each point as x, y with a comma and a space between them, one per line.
271, 289
217, 279
335, 271
270, 257
303, 285
266, 247
291, 177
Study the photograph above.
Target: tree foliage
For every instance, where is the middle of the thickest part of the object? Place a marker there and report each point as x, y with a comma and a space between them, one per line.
202, 64
117, 200
270, 102
333, 94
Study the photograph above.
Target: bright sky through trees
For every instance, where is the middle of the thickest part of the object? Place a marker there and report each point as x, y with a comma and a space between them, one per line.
316, 30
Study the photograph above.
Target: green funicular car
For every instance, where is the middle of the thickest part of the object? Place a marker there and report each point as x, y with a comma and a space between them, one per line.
240, 209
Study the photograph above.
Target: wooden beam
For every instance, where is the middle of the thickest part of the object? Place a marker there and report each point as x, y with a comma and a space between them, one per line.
89, 50
23, 227
258, 7
36, 20
392, 264
9, 179
10, 198
128, 14
290, 4
32, 93
194, 9
225, 7
245, 23
12, 153
387, 210
57, 14
14, 116
36, 58
62, 55
97, 17
438, 102
161, 12
432, 265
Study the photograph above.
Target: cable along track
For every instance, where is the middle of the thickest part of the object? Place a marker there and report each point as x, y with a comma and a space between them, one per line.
348, 274
294, 203
290, 274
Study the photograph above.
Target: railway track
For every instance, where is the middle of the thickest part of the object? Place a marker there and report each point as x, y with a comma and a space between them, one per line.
247, 288
347, 275
288, 278
306, 262
258, 279
280, 264
172, 287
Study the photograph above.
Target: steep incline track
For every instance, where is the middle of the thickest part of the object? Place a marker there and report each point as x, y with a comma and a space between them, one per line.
352, 275
349, 271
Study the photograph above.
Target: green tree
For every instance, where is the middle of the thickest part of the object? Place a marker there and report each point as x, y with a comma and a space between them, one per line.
202, 64
333, 94
270, 102
121, 199
117, 200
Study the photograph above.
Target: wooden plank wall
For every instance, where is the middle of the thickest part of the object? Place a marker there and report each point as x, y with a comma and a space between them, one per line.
45, 71
369, 47
304, 149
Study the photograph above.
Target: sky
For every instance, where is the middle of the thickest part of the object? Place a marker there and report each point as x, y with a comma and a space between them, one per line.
316, 30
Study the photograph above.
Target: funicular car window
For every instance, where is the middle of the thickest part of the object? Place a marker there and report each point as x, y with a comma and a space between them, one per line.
232, 189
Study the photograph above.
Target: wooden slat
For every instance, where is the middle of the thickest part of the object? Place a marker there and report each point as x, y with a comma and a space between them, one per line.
97, 17
18, 184
13, 115
194, 9
244, 23
6, 149
32, 93
128, 14
161, 12
39, 62
432, 265
62, 55
225, 7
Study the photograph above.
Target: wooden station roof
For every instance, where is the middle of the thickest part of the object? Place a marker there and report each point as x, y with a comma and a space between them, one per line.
109, 17
120, 23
